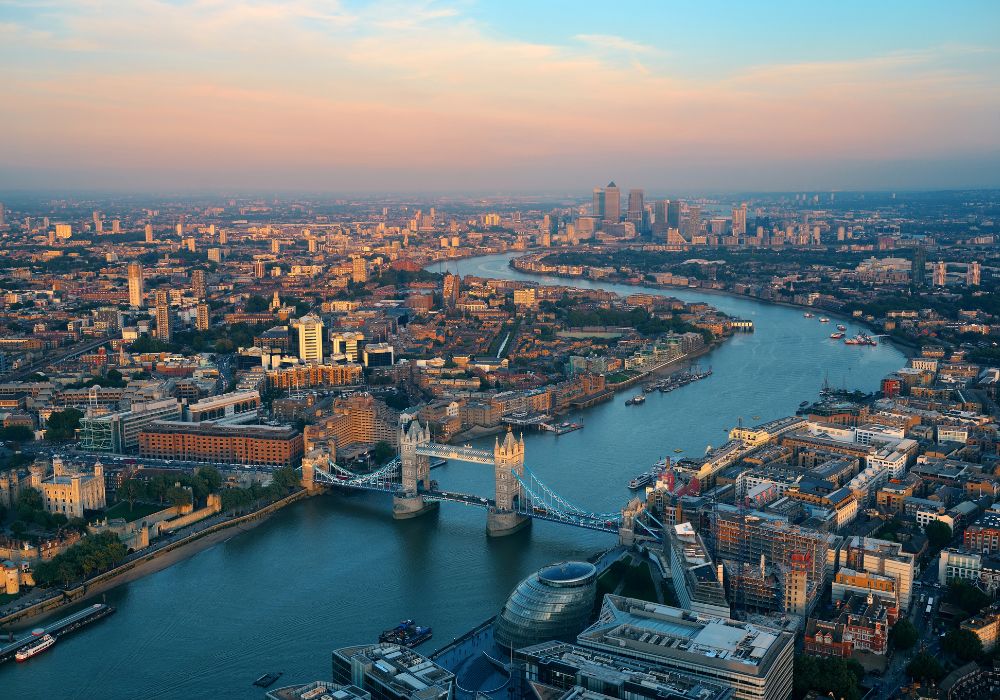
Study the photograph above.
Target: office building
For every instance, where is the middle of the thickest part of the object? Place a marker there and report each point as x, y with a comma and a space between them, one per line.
607, 203
392, 672
232, 406
692, 224
379, 355
348, 344
227, 444
310, 330
136, 285
755, 661
164, 317
562, 671
317, 690
119, 431
637, 210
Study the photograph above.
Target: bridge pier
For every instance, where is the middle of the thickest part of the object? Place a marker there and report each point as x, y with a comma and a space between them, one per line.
503, 523
411, 506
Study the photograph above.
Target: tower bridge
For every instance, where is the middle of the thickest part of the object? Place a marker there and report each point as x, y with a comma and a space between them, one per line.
519, 495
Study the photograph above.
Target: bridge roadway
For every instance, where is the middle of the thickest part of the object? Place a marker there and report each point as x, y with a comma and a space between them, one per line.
71, 352
463, 454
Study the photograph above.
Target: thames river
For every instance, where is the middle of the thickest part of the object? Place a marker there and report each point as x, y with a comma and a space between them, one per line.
335, 570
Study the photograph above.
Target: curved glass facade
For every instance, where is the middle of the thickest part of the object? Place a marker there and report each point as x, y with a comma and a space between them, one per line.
554, 603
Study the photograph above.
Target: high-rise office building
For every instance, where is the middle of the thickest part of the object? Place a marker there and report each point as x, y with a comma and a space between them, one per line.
310, 330
164, 318
598, 203
612, 203
940, 273
135, 285
660, 218
740, 220
692, 224
149, 233
198, 284
973, 274
637, 210
673, 213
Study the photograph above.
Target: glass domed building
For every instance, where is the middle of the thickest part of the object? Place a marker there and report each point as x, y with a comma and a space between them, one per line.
554, 603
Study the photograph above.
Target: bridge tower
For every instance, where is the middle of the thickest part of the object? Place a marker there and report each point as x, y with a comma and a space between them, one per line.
415, 471
508, 458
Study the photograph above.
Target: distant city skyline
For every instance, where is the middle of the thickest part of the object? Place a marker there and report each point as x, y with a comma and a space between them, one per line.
506, 97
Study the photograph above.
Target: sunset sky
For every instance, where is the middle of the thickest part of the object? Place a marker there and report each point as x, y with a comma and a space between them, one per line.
498, 96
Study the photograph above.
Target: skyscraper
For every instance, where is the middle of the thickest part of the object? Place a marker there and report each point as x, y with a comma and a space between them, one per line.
692, 224
740, 220
940, 273
612, 203
258, 268
149, 233
135, 285
198, 284
599, 203
673, 213
636, 209
223, 237
310, 330
164, 320
972, 274
3, 214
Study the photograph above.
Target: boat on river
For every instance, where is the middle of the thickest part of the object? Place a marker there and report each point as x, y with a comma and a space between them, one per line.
35, 648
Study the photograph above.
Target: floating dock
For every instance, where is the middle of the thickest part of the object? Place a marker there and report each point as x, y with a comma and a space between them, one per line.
60, 628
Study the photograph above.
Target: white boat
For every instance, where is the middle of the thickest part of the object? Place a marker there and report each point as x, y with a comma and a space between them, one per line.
35, 648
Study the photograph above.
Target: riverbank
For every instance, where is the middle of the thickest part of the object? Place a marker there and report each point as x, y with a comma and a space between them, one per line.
905, 347
166, 554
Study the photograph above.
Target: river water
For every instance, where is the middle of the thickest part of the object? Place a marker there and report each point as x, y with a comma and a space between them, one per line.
337, 569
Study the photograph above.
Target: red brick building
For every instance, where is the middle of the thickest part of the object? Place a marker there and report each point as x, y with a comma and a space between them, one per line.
224, 444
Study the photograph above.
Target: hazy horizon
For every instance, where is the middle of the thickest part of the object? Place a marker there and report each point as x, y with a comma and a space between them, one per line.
471, 97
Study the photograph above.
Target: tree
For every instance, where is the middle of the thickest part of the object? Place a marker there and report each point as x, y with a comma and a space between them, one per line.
938, 533
17, 433
211, 477
62, 425
178, 496
925, 667
904, 634
131, 490
382, 452
257, 304
827, 675
963, 644
967, 597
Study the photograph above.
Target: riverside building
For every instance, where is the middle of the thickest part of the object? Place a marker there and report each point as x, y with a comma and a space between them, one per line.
755, 661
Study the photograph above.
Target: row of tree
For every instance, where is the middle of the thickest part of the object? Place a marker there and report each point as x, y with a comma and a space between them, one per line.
282, 482
177, 490
91, 555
